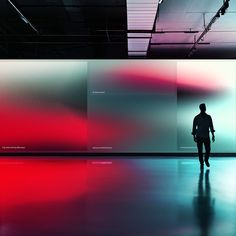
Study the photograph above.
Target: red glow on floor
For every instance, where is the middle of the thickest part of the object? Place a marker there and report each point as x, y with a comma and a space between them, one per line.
39, 181
43, 181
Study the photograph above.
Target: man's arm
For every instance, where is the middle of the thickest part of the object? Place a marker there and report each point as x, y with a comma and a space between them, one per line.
194, 129
212, 130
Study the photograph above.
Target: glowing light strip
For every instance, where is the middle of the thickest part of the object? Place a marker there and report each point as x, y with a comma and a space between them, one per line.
140, 16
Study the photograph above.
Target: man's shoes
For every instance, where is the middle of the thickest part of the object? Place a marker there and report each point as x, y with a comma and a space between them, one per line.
202, 166
207, 163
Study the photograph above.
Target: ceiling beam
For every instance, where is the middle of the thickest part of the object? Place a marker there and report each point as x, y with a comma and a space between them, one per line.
208, 27
72, 5
22, 16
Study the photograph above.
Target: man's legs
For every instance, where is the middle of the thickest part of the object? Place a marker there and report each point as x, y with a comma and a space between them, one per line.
207, 144
199, 147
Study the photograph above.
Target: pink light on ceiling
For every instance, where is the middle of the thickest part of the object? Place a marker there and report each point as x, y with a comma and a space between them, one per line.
140, 16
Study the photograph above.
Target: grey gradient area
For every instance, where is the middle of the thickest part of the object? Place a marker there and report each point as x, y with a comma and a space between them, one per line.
46, 82
143, 121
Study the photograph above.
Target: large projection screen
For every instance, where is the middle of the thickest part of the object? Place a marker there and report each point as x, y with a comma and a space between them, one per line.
114, 106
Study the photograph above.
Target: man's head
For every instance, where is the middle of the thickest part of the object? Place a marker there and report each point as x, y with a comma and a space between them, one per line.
202, 107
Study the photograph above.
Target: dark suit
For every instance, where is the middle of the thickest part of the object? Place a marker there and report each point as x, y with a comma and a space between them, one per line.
202, 123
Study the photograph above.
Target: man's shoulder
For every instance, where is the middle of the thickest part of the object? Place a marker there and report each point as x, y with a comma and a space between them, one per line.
198, 116
207, 117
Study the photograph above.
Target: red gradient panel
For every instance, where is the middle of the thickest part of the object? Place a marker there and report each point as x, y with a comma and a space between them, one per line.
41, 128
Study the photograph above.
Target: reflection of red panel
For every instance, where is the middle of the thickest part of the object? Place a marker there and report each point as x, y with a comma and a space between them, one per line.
64, 197
41, 128
116, 131
41, 181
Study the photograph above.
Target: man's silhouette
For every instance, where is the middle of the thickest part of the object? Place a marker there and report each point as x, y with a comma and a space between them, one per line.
202, 123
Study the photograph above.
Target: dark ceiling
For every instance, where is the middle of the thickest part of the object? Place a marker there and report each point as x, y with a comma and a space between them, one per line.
63, 29
94, 29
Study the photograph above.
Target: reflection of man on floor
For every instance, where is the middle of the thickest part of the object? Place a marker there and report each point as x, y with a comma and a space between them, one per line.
201, 125
204, 204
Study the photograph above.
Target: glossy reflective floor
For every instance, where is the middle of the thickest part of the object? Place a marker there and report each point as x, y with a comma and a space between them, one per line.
128, 197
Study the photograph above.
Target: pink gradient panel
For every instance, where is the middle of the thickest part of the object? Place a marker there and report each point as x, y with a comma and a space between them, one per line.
159, 78
142, 77
191, 81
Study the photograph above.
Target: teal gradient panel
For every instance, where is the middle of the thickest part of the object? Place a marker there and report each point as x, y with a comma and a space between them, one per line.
132, 105
212, 83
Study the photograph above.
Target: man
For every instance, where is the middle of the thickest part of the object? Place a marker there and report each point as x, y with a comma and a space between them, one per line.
201, 125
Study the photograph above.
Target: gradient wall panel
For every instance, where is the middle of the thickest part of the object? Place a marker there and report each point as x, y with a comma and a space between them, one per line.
132, 106
43, 106
213, 83
115, 105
